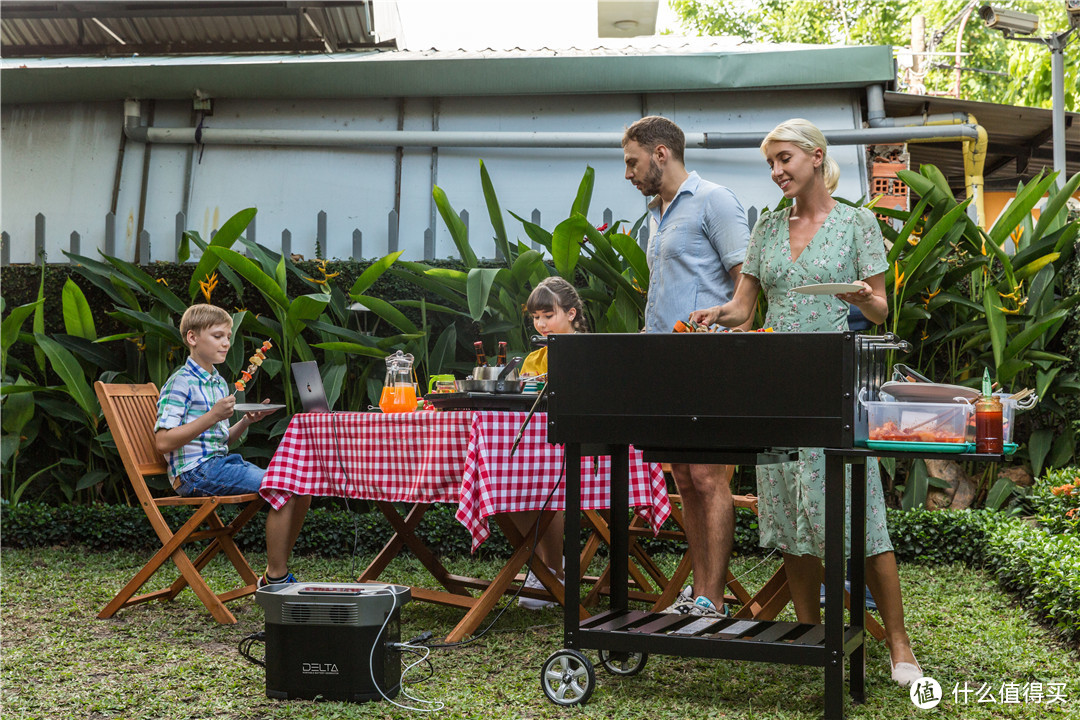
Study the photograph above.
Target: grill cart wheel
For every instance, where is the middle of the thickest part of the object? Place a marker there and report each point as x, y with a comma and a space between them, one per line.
623, 663
568, 678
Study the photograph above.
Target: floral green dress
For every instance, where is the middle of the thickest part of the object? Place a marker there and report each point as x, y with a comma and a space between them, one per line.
847, 247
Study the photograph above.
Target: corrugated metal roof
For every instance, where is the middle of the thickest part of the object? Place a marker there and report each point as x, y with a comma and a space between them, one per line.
1019, 140
620, 69
34, 29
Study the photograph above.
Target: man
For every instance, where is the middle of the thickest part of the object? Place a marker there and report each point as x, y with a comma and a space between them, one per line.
696, 248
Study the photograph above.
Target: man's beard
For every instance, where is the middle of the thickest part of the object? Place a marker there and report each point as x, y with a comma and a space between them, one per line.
650, 184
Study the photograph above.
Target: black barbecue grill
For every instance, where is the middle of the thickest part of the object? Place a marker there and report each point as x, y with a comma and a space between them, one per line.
724, 398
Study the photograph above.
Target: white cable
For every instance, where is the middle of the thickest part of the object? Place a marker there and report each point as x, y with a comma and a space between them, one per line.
436, 705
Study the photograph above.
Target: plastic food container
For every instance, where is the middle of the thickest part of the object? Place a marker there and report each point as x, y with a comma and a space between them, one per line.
918, 422
1009, 407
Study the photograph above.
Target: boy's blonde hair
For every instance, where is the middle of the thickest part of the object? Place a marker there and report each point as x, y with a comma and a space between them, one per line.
202, 316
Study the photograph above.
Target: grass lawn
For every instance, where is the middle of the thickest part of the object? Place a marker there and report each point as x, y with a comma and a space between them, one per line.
172, 661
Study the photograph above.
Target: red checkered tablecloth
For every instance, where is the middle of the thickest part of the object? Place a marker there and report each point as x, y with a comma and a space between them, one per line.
494, 481
451, 457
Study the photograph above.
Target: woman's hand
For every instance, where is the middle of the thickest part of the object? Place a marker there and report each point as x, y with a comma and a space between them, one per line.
858, 297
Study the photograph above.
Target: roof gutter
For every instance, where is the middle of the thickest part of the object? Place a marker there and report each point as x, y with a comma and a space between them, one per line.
949, 126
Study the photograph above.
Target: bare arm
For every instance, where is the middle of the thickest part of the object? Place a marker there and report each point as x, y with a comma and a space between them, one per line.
870, 299
738, 312
737, 279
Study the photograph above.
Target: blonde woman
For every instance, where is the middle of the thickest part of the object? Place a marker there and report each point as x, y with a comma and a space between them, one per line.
816, 240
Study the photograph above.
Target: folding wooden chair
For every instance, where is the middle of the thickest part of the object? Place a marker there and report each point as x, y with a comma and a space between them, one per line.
131, 411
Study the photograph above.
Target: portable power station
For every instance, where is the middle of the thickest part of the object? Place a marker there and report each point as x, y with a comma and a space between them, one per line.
320, 636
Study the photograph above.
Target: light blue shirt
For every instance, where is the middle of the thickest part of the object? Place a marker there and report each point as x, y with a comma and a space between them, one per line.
692, 248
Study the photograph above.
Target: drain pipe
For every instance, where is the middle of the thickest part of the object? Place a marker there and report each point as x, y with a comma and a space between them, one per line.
966, 128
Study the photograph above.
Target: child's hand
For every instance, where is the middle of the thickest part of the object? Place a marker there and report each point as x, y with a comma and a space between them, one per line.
254, 417
223, 408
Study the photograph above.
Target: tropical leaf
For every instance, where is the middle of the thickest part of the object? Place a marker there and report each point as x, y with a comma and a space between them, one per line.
226, 235
67, 369
566, 244
495, 214
1052, 216
78, 318
269, 286
388, 313
373, 272
458, 232
1038, 448
478, 287
995, 321
584, 194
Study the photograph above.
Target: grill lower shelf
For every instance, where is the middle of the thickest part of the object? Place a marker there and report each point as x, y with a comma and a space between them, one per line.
673, 634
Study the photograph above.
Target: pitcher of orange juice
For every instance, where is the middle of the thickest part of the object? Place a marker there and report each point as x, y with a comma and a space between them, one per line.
399, 390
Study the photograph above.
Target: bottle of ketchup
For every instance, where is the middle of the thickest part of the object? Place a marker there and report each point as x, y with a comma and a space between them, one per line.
989, 430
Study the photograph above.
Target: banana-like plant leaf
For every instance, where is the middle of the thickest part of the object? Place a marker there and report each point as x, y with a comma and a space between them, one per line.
18, 408
634, 256
12, 325
1038, 448
147, 323
458, 232
1033, 332
916, 486
527, 264
387, 312
270, 287
479, 290
1052, 216
1001, 491
566, 244
1019, 208
1062, 449
537, 234
304, 308
78, 319
93, 352
495, 214
995, 321
373, 273
584, 194
149, 284
351, 348
67, 368
226, 235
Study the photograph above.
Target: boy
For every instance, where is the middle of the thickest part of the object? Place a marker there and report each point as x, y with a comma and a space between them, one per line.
193, 433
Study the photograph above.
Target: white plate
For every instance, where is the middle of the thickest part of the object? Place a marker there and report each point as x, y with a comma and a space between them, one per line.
827, 288
928, 392
255, 407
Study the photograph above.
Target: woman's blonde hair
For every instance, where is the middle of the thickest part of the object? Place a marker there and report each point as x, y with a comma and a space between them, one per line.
806, 136
553, 293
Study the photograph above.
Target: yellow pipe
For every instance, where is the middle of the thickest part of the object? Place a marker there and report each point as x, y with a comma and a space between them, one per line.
974, 162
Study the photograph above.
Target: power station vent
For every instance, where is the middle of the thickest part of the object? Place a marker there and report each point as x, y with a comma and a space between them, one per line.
299, 613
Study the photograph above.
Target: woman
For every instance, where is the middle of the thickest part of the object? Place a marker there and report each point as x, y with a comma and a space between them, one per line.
816, 240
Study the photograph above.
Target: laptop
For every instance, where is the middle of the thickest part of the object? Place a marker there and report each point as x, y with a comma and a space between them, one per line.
309, 385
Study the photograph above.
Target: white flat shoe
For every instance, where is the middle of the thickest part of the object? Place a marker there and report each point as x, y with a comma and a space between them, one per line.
906, 673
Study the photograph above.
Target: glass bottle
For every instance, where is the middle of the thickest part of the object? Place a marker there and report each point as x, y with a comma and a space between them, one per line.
481, 358
501, 360
989, 430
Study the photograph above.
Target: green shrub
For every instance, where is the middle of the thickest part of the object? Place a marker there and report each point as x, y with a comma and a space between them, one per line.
1043, 568
941, 536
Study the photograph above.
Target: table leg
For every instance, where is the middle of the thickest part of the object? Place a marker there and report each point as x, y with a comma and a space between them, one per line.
834, 587
857, 677
405, 535
620, 526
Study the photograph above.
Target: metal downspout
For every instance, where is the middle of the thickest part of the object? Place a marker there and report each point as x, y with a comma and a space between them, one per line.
974, 143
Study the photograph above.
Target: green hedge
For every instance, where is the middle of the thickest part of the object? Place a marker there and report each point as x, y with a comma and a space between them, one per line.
1044, 568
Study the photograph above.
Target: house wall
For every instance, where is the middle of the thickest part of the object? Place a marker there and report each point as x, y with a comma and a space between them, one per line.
60, 160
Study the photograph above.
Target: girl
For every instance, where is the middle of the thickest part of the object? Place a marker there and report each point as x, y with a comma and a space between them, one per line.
817, 240
555, 307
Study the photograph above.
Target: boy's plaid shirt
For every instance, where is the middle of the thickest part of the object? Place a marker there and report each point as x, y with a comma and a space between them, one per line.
189, 393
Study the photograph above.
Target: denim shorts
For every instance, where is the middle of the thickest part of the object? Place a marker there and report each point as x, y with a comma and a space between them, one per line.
221, 475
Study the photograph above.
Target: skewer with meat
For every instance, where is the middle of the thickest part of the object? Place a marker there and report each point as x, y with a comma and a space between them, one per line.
255, 361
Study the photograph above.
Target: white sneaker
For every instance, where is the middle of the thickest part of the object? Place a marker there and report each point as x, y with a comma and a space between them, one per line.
531, 581
683, 601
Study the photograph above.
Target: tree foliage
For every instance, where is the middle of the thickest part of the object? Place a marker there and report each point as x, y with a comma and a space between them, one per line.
997, 70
